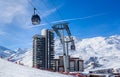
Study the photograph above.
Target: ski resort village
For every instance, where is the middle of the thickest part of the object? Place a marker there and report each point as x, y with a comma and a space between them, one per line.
60, 38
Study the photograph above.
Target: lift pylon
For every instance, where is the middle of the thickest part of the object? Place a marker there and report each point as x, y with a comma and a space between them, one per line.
60, 29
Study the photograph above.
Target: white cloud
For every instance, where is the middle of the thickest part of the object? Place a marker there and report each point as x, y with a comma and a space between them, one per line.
10, 9
49, 12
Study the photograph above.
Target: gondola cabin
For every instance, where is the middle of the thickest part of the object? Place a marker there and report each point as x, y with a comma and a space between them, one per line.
72, 47
35, 19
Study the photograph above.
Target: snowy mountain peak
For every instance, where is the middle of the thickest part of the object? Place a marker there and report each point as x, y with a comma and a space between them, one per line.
21, 50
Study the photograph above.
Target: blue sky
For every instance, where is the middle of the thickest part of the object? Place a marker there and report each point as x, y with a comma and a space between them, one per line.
87, 18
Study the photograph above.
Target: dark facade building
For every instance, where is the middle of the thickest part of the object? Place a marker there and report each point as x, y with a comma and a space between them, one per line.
75, 64
38, 51
43, 49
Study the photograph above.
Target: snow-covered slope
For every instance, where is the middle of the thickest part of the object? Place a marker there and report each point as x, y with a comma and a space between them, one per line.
8, 69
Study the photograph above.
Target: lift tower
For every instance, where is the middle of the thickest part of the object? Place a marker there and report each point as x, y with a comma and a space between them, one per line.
60, 29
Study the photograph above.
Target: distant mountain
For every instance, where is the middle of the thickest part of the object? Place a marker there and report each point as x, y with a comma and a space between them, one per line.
13, 55
23, 56
5, 52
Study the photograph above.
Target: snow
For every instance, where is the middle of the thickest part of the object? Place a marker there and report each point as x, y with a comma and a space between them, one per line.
9, 69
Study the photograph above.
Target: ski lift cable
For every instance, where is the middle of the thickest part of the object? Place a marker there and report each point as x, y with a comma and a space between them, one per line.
34, 7
47, 8
31, 3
